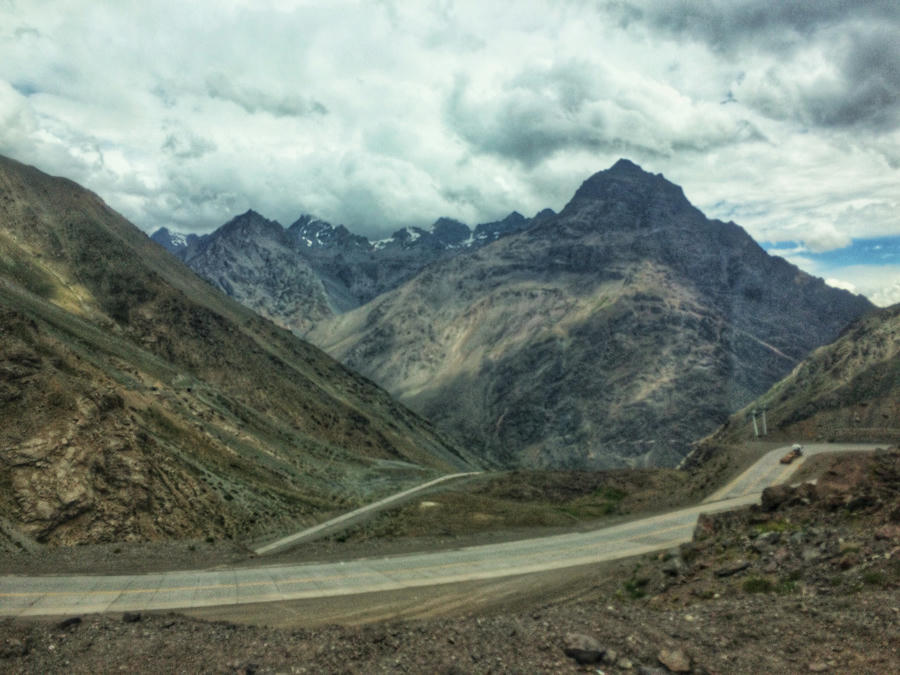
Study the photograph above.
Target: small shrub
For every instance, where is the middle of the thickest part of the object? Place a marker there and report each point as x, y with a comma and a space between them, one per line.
610, 494
636, 587
786, 587
795, 575
874, 578
758, 585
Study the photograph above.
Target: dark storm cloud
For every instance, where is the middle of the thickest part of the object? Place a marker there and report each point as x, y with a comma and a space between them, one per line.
729, 24
857, 43
869, 85
527, 124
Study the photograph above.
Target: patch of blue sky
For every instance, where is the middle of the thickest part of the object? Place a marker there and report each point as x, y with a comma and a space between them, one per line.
870, 251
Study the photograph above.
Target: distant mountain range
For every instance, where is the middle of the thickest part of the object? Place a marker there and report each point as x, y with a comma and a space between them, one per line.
614, 333
137, 402
299, 275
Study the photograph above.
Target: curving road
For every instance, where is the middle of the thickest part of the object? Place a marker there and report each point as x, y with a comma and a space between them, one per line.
353, 517
768, 470
31, 596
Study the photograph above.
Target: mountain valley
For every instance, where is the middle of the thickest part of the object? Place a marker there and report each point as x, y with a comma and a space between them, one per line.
159, 424
846, 390
614, 333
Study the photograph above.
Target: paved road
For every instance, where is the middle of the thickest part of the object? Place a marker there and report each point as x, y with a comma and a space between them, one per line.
353, 517
30, 596
768, 470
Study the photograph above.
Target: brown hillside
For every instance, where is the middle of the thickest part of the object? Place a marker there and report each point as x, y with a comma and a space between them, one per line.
139, 402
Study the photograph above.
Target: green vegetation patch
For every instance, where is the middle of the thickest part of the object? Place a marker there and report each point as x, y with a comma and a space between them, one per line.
875, 578
636, 587
787, 587
779, 525
758, 585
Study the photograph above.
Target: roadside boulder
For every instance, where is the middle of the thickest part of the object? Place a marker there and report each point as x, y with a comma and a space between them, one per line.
733, 568
776, 496
674, 566
675, 660
583, 648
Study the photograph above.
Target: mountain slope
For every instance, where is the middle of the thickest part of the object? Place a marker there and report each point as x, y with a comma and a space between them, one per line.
253, 260
848, 390
612, 334
138, 402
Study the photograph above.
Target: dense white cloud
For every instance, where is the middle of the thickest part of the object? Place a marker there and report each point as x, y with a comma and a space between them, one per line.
879, 283
784, 117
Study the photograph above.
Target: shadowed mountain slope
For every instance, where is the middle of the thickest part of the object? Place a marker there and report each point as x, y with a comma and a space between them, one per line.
138, 402
612, 334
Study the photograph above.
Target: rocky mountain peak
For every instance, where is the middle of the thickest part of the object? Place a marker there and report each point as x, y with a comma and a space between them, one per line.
625, 186
251, 224
485, 233
174, 242
450, 232
314, 233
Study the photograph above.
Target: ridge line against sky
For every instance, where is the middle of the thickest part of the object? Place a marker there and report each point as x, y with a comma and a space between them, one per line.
781, 116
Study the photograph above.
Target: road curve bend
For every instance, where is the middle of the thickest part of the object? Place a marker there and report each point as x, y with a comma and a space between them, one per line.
56, 595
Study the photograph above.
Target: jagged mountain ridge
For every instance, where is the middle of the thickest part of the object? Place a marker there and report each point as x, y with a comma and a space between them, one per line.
612, 334
311, 270
140, 403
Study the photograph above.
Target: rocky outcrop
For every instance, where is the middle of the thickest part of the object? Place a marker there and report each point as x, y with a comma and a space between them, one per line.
838, 535
254, 261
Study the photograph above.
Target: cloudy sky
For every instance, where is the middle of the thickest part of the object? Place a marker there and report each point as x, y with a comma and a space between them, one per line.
782, 115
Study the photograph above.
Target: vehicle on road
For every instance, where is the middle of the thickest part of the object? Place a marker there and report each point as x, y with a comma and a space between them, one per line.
796, 451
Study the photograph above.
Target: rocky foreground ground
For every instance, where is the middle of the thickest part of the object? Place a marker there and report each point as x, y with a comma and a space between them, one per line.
807, 581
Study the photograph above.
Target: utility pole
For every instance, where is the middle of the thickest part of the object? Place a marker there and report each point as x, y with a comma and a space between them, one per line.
765, 430
752, 415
